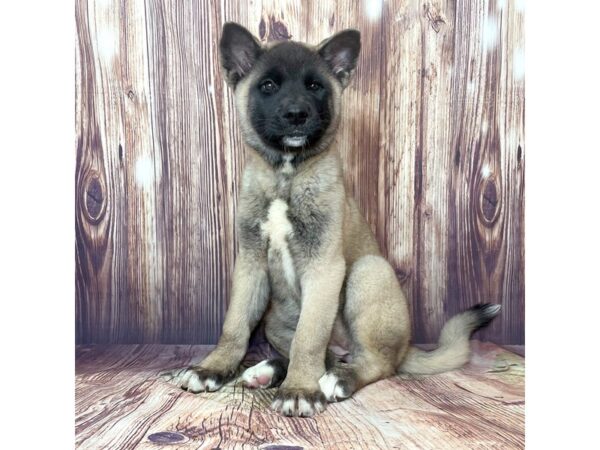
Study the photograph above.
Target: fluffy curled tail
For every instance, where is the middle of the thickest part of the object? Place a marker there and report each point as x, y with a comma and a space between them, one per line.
453, 350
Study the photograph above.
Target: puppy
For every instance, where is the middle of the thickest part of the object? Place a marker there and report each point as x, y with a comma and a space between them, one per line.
308, 264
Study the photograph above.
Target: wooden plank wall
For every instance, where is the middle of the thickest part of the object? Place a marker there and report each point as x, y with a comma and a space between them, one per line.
432, 145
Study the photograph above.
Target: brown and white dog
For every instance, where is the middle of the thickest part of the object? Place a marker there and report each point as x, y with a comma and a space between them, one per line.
308, 263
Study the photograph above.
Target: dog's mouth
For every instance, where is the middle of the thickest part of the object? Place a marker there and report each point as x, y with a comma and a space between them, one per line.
294, 140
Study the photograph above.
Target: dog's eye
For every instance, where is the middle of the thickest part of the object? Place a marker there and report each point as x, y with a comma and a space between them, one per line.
268, 87
314, 85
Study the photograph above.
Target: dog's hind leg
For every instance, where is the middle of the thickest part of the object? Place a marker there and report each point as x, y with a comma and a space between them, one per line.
270, 373
376, 315
266, 374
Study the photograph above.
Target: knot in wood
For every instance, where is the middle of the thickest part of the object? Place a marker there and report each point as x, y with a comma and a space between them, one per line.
167, 437
273, 30
435, 16
94, 204
489, 202
262, 29
402, 274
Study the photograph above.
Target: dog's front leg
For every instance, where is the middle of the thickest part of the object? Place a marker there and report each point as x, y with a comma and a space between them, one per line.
299, 394
248, 303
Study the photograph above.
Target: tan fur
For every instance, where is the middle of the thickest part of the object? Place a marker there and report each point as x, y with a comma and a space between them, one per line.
301, 293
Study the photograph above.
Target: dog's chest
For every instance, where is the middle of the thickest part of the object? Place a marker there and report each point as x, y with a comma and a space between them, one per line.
278, 232
283, 229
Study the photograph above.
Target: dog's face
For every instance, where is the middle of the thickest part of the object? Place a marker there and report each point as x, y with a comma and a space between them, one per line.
288, 94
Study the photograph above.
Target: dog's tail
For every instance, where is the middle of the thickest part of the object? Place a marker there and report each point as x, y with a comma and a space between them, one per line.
453, 348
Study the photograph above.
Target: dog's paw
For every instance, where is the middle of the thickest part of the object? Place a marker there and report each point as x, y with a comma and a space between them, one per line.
197, 379
266, 374
298, 402
334, 387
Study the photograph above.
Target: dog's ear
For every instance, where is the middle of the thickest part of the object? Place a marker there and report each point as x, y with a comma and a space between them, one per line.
239, 51
340, 52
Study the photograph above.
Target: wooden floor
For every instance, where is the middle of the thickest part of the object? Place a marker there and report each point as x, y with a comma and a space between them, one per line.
122, 403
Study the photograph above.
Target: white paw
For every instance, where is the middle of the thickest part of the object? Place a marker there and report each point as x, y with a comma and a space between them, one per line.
288, 407
331, 388
305, 409
191, 381
298, 404
258, 376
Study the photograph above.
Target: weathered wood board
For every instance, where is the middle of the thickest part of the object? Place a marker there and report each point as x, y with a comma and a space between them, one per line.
122, 403
432, 143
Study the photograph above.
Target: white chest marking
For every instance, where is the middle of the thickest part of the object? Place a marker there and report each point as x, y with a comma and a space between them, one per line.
277, 228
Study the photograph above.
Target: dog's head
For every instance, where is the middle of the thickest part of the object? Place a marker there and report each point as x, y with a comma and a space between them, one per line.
288, 94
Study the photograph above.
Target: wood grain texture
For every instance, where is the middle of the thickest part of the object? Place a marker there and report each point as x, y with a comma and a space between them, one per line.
122, 403
432, 146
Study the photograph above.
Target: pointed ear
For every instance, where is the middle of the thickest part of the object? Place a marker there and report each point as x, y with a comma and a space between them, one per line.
239, 51
340, 52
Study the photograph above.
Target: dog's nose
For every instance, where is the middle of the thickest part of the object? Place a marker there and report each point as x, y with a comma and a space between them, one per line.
296, 114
